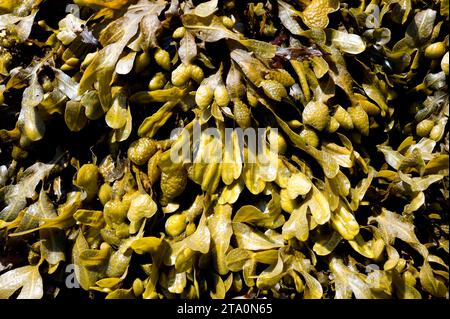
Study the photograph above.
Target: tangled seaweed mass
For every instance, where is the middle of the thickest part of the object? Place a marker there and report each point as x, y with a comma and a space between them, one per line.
351, 99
